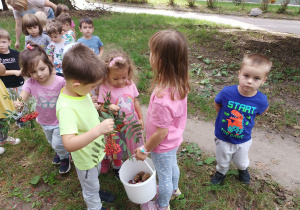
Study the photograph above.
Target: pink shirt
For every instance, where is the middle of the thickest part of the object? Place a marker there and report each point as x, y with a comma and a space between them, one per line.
46, 97
163, 112
122, 97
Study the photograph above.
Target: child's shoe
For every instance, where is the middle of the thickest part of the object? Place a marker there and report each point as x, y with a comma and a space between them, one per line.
244, 176
10, 140
56, 160
116, 172
218, 178
20, 123
107, 196
105, 163
174, 194
65, 166
2, 150
152, 205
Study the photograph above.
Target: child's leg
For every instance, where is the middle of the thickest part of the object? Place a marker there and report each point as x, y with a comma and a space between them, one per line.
90, 186
168, 175
57, 144
224, 152
240, 157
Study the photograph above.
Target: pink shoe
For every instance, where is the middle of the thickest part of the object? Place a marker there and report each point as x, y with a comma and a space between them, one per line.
105, 166
174, 194
151, 205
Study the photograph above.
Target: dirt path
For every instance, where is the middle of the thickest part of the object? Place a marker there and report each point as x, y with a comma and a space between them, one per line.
271, 154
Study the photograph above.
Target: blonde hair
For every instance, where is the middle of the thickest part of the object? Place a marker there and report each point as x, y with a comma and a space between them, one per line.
53, 26
257, 60
42, 18
18, 3
117, 59
30, 20
81, 63
61, 8
4, 34
169, 62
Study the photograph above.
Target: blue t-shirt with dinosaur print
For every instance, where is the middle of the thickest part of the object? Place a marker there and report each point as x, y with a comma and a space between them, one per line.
235, 119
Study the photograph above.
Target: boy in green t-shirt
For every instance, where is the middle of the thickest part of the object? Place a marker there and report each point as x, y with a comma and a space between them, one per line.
78, 120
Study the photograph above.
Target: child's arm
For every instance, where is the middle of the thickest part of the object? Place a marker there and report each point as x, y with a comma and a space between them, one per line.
12, 72
112, 107
101, 50
158, 136
50, 4
2, 69
218, 107
138, 109
74, 142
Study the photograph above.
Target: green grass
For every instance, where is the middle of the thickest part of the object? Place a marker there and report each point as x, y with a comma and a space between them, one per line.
33, 156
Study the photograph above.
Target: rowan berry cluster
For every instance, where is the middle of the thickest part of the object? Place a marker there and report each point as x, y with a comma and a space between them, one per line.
29, 117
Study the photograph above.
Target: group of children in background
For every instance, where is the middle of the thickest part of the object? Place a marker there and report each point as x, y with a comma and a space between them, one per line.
69, 81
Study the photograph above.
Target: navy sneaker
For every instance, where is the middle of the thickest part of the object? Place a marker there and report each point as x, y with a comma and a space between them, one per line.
20, 123
244, 176
218, 178
107, 196
56, 160
65, 166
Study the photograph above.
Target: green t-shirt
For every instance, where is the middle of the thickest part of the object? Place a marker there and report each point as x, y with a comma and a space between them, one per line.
77, 115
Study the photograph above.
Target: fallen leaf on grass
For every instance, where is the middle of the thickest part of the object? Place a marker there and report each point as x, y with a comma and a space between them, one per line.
269, 136
297, 127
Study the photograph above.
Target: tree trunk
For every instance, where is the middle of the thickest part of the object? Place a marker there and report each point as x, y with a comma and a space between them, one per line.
4, 5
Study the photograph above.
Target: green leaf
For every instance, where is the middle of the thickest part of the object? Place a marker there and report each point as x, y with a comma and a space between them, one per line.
137, 129
139, 133
123, 114
124, 128
95, 156
106, 116
121, 142
128, 132
209, 160
95, 149
130, 135
35, 180
115, 137
97, 144
200, 163
101, 119
129, 118
137, 125
133, 122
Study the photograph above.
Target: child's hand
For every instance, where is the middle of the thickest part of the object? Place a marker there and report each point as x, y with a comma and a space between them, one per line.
113, 107
139, 155
18, 73
141, 121
106, 126
94, 99
97, 106
18, 104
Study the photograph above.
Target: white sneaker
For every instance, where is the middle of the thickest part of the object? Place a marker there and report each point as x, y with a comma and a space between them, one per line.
2, 150
10, 140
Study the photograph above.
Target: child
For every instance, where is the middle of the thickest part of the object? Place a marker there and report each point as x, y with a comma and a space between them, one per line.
5, 104
167, 112
79, 123
123, 99
12, 78
33, 30
56, 47
237, 106
10, 59
65, 20
45, 87
86, 27
61, 8
43, 20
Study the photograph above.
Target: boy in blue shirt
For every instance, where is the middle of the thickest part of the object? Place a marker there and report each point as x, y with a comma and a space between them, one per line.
86, 27
237, 106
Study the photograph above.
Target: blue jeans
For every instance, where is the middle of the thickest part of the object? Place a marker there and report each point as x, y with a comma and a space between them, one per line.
168, 175
50, 14
54, 139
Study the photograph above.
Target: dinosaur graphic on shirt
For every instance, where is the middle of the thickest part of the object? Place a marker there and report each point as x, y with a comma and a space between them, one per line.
236, 123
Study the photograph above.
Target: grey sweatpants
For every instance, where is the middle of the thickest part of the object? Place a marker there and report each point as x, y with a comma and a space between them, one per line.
238, 153
90, 187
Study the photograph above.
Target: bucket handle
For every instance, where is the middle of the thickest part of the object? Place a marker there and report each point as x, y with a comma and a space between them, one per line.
145, 161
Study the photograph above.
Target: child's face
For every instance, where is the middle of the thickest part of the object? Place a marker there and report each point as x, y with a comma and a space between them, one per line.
66, 27
118, 77
4, 45
56, 37
33, 31
40, 73
250, 79
86, 29
83, 89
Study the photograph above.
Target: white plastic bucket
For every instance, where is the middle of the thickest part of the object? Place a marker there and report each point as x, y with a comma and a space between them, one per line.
141, 192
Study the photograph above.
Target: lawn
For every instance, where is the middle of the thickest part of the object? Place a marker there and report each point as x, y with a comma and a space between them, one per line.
215, 53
